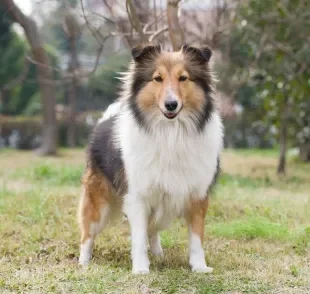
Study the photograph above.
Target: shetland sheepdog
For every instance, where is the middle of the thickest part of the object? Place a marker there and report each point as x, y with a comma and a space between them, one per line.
155, 154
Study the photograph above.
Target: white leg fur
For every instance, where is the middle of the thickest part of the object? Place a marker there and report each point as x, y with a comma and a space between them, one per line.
137, 217
86, 251
95, 228
155, 246
196, 254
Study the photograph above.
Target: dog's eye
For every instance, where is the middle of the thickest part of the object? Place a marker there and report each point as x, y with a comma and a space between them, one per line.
182, 78
158, 79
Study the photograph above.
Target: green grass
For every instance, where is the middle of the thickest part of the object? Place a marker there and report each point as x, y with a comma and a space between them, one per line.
251, 228
257, 232
53, 175
257, 152
243, 182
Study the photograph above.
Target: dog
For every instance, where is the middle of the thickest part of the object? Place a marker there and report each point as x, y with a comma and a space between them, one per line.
155, 155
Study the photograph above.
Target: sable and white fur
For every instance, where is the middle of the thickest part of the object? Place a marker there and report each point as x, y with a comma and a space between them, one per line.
153, 168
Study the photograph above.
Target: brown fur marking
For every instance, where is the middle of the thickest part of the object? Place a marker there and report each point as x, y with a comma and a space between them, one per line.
97, 193
196, 216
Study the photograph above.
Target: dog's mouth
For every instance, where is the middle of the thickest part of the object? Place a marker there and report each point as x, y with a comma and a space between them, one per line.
170, 115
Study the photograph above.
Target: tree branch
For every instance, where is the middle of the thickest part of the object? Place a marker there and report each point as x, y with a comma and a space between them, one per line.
67, 77
279, 46
134, 19
157, 33
20, 78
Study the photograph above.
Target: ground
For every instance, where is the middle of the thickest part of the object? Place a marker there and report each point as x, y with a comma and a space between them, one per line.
257, 232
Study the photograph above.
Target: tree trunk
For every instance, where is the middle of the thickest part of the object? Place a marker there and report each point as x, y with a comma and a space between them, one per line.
143, 10
45, 77
48, 101
72, 94
175, 31
283, 139
71, 131
4, 99
304, 152
135, 20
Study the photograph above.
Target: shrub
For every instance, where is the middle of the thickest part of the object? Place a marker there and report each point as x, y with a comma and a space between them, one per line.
29, 131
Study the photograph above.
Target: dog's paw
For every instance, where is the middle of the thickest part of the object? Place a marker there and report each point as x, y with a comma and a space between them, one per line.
84, 262
140, 264
157, 251
159, 254
202, 269
141, 271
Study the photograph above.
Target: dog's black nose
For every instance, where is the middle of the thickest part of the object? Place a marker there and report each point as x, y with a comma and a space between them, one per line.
171, 105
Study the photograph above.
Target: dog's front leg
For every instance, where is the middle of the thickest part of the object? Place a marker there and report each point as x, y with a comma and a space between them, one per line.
137, 216
195, 219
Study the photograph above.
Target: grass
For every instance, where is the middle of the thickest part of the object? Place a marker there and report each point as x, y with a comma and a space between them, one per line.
257, 232
251, 228
51, 174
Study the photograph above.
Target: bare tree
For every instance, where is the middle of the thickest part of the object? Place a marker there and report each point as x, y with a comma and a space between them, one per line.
49, 135
283, 138
136, 21
73, 30
175, 31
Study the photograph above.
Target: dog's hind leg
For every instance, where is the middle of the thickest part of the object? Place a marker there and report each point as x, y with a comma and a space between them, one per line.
93, 212
154, 242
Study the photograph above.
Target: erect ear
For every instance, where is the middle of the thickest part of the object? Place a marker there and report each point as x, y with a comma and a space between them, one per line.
142, 52
201, 54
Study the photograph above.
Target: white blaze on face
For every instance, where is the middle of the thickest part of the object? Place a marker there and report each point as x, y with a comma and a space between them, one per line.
171, 95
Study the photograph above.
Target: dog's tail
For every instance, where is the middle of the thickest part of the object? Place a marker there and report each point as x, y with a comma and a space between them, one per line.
111, 111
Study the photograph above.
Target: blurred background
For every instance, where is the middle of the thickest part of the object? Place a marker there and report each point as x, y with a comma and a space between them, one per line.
60, 59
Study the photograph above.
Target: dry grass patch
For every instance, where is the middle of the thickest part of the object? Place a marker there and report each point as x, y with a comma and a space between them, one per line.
257, 232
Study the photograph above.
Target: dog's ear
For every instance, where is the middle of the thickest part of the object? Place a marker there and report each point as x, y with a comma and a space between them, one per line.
142, 52
200, 54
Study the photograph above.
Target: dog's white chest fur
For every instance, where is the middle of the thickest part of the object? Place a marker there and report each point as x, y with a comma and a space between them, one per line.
170, 167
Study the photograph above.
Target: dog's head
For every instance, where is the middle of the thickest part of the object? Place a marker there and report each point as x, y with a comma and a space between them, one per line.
171, 86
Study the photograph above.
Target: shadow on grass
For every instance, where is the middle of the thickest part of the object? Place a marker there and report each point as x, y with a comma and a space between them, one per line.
119, 257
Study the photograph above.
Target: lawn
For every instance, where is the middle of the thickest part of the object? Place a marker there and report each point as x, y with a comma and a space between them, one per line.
257, 232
